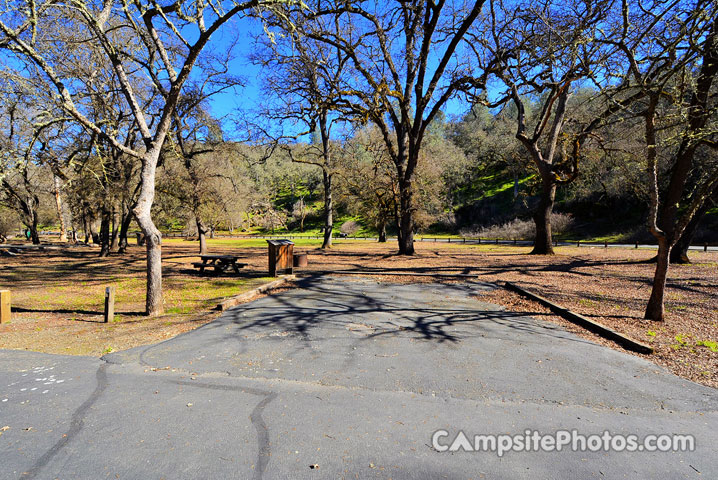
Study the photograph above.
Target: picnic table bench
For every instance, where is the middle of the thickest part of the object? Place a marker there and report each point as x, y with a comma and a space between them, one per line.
220, 263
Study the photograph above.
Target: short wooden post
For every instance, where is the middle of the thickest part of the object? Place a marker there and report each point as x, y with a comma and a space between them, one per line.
4, 306
497, 241
449, 239
109, 304
636, 244
578, 244
605, 244
705, 247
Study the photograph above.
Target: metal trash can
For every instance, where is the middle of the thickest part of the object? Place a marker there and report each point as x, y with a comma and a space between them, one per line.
300, 260
281, 257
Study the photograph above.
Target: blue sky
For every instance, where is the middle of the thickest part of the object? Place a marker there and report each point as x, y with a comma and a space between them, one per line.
250, 98
247, 97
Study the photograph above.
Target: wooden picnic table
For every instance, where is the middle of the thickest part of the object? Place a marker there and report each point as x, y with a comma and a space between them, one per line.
220, 263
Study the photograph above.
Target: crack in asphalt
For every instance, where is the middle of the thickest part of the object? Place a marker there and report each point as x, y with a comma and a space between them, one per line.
264, 449
76, 423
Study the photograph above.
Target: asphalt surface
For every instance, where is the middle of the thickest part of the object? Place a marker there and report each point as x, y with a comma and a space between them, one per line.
347, 378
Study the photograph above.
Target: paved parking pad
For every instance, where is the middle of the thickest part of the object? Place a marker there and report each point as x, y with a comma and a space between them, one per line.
347, 378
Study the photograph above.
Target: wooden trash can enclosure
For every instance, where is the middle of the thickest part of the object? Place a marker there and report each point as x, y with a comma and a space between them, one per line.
281, 257
300, 260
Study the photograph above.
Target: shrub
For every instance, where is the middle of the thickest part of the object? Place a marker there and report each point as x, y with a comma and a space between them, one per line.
9, 222
350, 227
518, 229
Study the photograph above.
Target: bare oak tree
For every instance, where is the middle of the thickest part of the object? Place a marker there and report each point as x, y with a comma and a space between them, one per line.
141, 39
547, 50
305, 76
405, 62
670, 53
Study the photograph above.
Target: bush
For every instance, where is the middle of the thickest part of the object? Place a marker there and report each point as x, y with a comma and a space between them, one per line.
518, 229
561, 223
9, 222
350, 227
444, 222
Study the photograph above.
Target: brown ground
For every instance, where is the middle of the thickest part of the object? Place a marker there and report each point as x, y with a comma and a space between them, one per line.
610, 286
60, 295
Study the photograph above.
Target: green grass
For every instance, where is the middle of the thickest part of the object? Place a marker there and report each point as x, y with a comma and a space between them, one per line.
500, 188
81, 287
239, 242
713, 346
431, 236
610, 238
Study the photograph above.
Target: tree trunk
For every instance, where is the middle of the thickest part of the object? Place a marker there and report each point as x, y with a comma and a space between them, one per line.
327, 181
153, 238
679, 252
542, 218
73, 228
33, 229
202, 235
328, 210
382, 231
105, 219
115, 239
154, 302
93, 236
85, 228
58, 203
655, 310
396, 220
124, 230
406, 219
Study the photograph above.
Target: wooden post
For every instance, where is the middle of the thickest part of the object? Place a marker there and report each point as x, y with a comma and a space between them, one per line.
109, 304
578, 244
636, 244
605, 244
5, 306
705, 247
